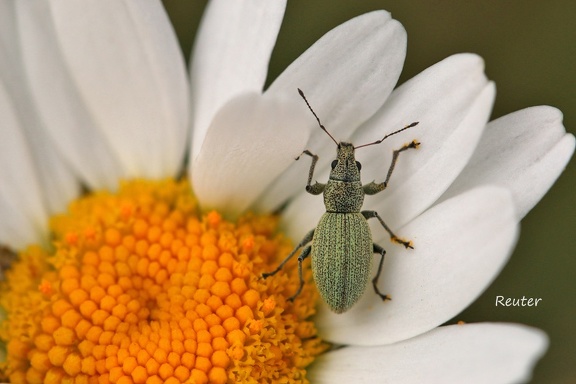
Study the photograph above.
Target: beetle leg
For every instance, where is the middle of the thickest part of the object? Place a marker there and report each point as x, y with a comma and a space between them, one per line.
382, 252
305, 253
373, 188
305, 240
317, 188
395, 239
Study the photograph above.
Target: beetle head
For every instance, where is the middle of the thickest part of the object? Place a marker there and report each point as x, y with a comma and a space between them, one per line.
345, 167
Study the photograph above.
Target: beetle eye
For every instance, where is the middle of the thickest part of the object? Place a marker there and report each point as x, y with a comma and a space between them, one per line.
358, 165
333, 165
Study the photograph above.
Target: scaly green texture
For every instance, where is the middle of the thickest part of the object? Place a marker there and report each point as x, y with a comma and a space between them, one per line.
341, 258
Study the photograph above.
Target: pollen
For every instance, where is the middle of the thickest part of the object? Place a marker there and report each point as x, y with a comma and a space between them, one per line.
140, 287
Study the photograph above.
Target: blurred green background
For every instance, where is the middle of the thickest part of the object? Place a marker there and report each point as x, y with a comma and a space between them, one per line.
530, 51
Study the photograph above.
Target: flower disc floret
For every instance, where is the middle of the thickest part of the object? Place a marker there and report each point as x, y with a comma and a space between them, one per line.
140, 289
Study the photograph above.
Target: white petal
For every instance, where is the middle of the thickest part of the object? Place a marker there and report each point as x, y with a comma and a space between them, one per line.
65, 114
230, 57
452, 101
483, 353
346, 76
23, 215
111, 85
252, 140
55, 179
460, 247
524, 151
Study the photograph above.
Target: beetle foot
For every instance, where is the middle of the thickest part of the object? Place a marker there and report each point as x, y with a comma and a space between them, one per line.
384, 297
268, 274
406, 244
294, 296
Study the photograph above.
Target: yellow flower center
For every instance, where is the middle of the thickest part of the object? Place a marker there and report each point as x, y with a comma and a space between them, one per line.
140, 289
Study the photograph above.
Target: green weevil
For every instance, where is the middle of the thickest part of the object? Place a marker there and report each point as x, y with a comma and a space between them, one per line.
341, 244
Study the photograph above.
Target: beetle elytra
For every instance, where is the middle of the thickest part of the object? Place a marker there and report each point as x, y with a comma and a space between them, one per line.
341, 245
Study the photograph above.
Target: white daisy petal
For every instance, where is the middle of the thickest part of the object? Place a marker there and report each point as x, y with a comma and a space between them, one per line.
59, 184
55, 179
460, 247
23, 215
252, 139
132, 113
483, 353
346, 76
230, 57
448, 138
524, 151
452, 101
65, 114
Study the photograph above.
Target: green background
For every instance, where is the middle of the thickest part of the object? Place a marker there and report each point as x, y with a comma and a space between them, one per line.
530, 51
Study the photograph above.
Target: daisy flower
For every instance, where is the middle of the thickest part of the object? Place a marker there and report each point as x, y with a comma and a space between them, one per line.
122, 274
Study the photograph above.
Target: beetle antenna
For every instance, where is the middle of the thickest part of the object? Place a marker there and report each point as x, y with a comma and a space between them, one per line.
388, 135
314, 113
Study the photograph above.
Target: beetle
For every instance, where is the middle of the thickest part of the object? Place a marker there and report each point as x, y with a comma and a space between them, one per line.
341, 245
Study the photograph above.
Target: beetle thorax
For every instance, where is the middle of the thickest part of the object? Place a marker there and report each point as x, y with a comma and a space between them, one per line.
345, 167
